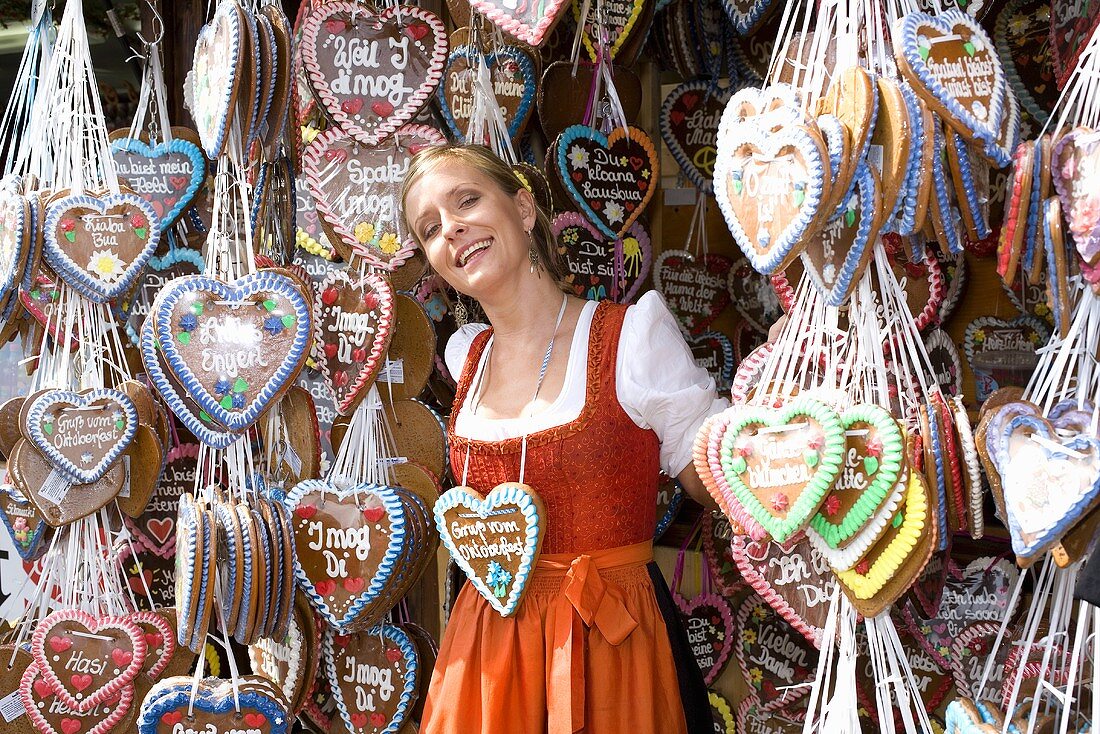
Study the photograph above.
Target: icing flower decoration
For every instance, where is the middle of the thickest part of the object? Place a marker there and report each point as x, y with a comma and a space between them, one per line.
389, 244
874, 447
498, 578
759, 613
780, 503
979, 336
614, 211
578, 156
832, 505
68, 227
863, 567
106, 266
221, 387
364, 232
748, 637
189, 322
273, 325
816, 442
137, 220
756, 676
370, 300
86, 457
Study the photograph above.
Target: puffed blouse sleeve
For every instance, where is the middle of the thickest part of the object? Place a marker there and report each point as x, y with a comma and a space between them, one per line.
658, 383
458, 346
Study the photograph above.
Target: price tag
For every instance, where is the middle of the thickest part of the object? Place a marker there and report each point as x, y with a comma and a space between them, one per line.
55, 488
293, 460
125, 491
11, 707
394, 372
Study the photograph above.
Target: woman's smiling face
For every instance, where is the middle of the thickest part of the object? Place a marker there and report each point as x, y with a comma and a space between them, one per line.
473, 233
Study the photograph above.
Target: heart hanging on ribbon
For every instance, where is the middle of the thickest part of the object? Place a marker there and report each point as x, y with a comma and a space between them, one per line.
616, 25
598, 268
772, 656
362, 527
689, 126
512, 514
16, 228
794, 580
215, 77
953, 65
100, 244
746, 15
81, 434
694, 287
234, 348
771, 188
781, 463
708, 621
213, 704
87, 660
373, 676
167, 175
353, 319
514, 83
612, 178
29, 532
178, 262
357, 187
1001, 352
363, 86
50, 715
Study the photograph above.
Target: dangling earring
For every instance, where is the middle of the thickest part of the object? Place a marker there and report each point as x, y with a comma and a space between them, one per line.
533, 255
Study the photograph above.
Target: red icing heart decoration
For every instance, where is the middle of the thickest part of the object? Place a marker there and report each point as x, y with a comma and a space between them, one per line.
86, 674
357, 186
694, 287
353, 321
373, 72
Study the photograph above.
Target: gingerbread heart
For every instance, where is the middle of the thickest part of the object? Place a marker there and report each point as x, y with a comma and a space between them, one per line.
494, 539
81, 434
689, 126
795, 580
612, 177
372, 72
746, 15
953, 65
713, 351
1048, 481
247, 704
50, 715
598, 268
151, 577
373, 676
874, 458
1001, 352
167, 175
16, 226
215, 76
753, 295
356, 187
29, 532
513, 81
1073, 172
836, 256
694, 287
87, 660
772, 656
348, 541
771, 188
353, 319
708, 621
155, 529
176, 263
528, 22
235, 347
100, 244
615, 26
781, 463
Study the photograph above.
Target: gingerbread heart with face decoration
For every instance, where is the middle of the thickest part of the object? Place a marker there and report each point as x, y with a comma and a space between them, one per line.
494, 539
353, 319
100, 244
373, 676
87, 660
234, 348
81, 434
600, 268
611, 178
247, 704
357, 186
372, 72
780, 464
771, 187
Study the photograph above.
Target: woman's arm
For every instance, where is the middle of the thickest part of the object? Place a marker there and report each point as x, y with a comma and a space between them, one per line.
693, 485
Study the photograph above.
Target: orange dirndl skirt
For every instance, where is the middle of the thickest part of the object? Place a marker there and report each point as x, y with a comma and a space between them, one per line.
587, 651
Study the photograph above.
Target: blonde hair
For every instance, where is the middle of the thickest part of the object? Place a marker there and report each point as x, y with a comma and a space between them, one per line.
487, 162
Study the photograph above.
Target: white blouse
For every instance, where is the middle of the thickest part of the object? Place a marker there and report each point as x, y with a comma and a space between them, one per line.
656, 380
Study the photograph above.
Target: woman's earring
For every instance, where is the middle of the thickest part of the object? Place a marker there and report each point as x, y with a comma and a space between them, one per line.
533, 255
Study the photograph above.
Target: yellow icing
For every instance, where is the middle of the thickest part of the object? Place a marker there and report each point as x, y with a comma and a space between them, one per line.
722, 706
894, 555
310, 245
619, 41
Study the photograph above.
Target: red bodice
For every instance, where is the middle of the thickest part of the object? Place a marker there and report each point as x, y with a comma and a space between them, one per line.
596, 475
